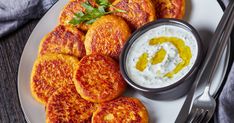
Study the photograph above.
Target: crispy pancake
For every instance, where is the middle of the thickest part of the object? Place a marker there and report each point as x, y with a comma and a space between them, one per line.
66, 106
121, 110
138, 12
63, 40
51, 72
107, 36
170, 8
70, 9
98, 78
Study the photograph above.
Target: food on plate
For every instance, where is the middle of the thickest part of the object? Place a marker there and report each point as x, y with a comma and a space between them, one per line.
138, 12
121, 110
107, 36
66, 106
111, 1
51, 72
161, 56
63, 40
170, 8
98, 78
71, 89
71, 9
92, 13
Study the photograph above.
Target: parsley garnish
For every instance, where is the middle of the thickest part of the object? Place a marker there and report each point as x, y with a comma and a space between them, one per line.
91, 14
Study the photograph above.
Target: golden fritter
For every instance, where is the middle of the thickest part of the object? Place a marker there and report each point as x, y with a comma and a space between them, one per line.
170, 8
107, 36
138, 12
98, 78
51, 72
66, 106
121, 110
73, 7
63, 40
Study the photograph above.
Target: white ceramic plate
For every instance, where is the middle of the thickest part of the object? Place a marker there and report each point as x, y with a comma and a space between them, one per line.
204, 15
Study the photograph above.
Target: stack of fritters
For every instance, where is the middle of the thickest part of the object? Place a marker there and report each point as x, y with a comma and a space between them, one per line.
70, 9
63, 40
170, 8
98, 78
88, 91
121, 110
138, 12
66, 106
107, 36
50, 72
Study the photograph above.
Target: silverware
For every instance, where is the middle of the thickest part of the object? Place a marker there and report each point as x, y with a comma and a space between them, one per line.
184, 112
203, 108
204, 105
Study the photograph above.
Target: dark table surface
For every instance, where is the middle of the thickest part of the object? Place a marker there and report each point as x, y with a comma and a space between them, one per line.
11, 48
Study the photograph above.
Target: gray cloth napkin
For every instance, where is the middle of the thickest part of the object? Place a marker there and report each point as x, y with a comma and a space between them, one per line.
14, 13
225, 112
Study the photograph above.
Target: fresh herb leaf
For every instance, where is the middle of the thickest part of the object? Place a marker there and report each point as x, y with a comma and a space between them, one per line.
95, 13
101, 9
87, 6
75, 21
79, 14
91, 21
104, 3
116, 9
91, 14
120, 10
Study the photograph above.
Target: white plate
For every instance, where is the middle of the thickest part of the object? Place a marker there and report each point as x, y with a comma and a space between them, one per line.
204, 15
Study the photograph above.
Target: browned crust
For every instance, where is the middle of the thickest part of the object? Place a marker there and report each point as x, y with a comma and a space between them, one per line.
121, 110
138, 12
170, 8
98, 78
70, 9
66, 106
51, 72
107, 36
63, 40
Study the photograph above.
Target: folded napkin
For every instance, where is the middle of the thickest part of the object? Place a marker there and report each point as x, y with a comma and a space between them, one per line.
225, 112
14, 13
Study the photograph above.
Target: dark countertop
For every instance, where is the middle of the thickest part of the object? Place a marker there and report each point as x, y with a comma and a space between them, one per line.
11, 48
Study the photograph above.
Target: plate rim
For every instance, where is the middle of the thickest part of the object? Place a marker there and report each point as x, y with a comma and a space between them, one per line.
20, 64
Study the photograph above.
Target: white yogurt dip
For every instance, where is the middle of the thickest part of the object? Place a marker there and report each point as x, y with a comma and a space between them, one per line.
168, 55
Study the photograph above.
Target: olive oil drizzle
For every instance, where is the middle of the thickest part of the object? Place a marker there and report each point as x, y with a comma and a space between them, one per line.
183, 50
159, 56
142, 62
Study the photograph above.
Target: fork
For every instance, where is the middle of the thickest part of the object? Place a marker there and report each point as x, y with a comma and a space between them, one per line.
204, 105
184, 112
203, 108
